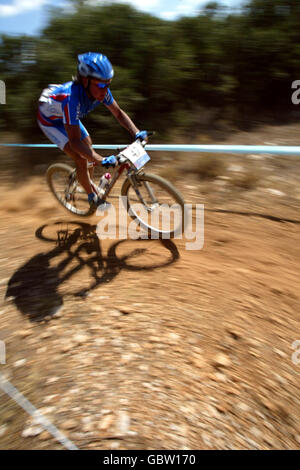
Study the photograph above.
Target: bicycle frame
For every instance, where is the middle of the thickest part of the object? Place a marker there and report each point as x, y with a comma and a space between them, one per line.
118, 172
124, 163
151, 191
115, 176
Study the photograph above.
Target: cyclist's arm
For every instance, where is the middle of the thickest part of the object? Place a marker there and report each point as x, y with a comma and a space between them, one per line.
79, 146
122, 118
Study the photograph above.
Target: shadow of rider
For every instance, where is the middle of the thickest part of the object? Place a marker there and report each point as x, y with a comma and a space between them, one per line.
34, 287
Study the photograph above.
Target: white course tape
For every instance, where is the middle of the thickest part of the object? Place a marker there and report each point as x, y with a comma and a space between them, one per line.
264, 149
14, 393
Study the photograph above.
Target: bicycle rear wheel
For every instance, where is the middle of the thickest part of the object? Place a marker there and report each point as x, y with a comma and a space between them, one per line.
156, 205
63, 184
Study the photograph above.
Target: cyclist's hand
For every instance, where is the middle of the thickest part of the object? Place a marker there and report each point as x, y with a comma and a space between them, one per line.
109, 161
142, 135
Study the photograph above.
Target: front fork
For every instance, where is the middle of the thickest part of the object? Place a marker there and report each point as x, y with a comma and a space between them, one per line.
133, 178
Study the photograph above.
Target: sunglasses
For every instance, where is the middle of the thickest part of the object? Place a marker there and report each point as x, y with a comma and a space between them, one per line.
102, 84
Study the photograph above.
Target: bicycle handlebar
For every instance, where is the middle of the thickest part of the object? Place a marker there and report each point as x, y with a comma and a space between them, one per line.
120, 158
149, 133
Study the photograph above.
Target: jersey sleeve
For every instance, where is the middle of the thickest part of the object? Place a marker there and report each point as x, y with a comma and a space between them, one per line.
70, 109
108, 99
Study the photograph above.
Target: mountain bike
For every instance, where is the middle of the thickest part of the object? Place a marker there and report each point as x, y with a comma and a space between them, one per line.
152, 201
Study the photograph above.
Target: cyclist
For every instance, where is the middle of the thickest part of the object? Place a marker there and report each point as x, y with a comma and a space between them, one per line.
62, 106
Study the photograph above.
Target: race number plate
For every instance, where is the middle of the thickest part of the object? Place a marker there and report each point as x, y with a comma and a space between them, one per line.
136, 154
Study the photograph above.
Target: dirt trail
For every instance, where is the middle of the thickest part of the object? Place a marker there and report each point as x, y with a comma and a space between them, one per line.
144, 344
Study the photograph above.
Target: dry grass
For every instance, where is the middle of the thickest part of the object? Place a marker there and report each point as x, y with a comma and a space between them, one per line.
210, 166
170, 173
247, 180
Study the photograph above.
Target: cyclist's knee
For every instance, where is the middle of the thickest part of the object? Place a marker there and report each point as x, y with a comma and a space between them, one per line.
87, 140
69, 151
80, 162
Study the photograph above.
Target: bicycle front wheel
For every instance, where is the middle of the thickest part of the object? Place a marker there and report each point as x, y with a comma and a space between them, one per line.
63, 184
155, 205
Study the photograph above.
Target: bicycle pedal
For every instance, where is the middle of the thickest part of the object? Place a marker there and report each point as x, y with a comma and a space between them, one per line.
80, 190
104, 206
69, 197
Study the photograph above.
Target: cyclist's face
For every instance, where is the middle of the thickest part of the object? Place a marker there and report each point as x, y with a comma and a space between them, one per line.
98, 89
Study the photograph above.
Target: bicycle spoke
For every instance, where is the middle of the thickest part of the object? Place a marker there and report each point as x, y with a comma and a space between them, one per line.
150, 191
64, 185
156, 205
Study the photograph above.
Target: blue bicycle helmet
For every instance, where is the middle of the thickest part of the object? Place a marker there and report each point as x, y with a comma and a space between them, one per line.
93, 64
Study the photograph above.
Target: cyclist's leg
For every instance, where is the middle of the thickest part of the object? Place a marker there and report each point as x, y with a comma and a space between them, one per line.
89, 142
84, 170
81, 169
57, 134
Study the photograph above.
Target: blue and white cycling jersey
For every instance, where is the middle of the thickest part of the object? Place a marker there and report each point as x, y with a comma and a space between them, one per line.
67, 104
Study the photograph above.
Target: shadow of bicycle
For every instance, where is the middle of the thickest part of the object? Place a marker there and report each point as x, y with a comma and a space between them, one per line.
37, 287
